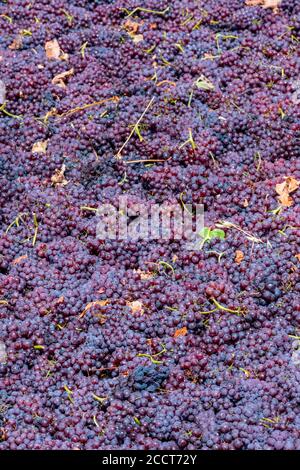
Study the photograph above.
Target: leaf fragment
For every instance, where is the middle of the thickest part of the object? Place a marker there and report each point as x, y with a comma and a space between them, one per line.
100, 303
136, 306
144, 275
180, 332
239, 256
58, 179
2, 92
39, 146
285, 189
59, 79
19, 259
52, 49
274, 4
3, 353
17, 43
203, 83
132, 29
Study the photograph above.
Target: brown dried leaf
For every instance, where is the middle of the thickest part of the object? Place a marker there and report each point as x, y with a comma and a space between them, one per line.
132, 28
40, 146
136, 306
245, 203
292, 184
285, 189
274, 4
58, 179
144, 275
59, 78
19, 259
52, 49
180, 332
298, 256
64, 56
17, 43
239, 256
100, 303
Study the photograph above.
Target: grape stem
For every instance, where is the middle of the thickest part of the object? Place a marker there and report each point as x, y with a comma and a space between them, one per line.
146, 10
135, 128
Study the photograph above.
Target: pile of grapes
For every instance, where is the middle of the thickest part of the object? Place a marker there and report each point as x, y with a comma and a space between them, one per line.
144, 344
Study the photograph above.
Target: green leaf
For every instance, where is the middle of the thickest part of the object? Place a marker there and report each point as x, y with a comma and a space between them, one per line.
205, 232
217, 233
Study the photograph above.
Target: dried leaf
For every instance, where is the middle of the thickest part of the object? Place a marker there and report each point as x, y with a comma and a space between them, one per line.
180, 332
100, 303
3, 353
239, 256
285, 189
274, 4
245, 203
2, 92
59, 301
298, 256
132, 28
136, 306
59, 78
292, 184
137, 38
40, 146
52, 49
58, 179
203, 83
17, 43
64, 56
144, 275
19, 259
